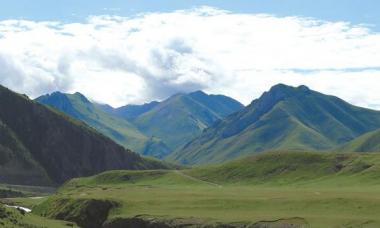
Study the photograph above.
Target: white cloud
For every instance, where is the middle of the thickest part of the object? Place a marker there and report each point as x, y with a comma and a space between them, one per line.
120, 60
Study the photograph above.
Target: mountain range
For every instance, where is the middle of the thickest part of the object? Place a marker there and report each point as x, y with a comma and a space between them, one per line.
40, 146
284, 118
197, 128
153, 129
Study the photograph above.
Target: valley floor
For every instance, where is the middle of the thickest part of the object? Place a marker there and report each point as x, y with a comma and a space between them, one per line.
177, 198
319, 207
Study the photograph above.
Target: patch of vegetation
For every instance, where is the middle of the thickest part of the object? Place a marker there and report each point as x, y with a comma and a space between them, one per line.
14, 218
8, 193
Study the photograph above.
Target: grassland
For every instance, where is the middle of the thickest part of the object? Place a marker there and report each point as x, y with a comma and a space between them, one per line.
304, 189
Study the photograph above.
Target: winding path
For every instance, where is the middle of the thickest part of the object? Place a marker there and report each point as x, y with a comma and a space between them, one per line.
196, 179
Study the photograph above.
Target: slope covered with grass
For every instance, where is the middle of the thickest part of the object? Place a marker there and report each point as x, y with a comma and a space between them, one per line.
295, 168
369, 142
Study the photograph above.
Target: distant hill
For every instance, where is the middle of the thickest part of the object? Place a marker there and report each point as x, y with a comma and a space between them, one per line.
369, 142
99, 117
294, 167
182, 117
268, 168
285, 118
130, 112
40, 146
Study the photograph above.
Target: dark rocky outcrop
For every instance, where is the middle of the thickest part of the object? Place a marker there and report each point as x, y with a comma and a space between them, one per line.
87, 213
147, 222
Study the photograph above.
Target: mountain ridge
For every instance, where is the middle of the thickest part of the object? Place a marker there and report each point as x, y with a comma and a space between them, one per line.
284, 118
163, 125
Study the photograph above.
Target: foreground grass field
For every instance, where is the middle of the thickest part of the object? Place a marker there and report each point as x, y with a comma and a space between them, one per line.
26, 196
320, 207
13, 218
271, 190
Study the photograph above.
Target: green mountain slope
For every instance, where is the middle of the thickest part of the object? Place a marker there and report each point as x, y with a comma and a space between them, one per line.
182, 117
119, 129
285, 118
50, 147
369, 142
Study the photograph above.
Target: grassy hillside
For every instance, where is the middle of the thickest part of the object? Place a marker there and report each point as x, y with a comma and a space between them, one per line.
37, 142
285, 118
289, 189
119, 129
184, 116
369, 142
295, 168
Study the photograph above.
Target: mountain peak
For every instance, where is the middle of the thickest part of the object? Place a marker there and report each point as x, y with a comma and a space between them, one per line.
57, 93
82, 97
198, 93
282, 88
280, 92
303, 88
60, 97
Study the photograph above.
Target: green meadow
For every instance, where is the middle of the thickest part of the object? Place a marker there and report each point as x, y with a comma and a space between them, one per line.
304, 190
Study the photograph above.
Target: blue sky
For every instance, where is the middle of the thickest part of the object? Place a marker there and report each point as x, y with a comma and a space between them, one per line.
354, 11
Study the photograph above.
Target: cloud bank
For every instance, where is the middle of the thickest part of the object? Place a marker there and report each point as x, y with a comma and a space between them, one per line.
120, 60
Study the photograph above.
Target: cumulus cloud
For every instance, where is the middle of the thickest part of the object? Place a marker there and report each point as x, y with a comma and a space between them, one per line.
120, 60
